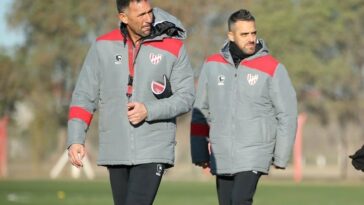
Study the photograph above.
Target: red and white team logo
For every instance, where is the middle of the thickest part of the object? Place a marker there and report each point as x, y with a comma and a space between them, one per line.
155, 58
252, 79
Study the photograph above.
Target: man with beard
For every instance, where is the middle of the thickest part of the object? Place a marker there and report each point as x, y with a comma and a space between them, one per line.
140, 79
246, 109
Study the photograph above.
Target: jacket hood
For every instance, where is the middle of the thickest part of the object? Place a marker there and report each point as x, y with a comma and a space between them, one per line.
165, 23
262, 51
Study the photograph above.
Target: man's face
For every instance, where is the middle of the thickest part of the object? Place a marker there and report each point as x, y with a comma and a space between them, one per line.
244, 34
139, 18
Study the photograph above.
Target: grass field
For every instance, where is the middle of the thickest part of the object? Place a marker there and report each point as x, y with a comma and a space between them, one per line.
177, 193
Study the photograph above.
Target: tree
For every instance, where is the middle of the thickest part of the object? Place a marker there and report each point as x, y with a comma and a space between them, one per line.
327, 69
58, 34
10, 84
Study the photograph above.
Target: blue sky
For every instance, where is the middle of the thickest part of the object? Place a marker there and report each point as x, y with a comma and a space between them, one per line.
8, 37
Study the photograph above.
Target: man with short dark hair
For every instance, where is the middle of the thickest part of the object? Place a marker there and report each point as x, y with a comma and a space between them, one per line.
140, 79
246, 108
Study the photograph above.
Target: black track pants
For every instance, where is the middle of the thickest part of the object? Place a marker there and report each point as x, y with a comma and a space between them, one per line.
135, 185
238, 189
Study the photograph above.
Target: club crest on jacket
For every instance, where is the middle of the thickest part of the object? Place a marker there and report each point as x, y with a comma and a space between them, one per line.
252, 79
155, 58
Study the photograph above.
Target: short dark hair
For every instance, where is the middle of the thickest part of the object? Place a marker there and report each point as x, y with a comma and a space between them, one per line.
241, 15
122, 4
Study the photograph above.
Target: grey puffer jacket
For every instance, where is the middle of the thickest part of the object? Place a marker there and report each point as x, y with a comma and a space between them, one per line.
103, 84
249, 114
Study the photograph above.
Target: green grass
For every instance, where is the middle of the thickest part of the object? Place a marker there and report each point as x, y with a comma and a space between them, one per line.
310, 194
177, 193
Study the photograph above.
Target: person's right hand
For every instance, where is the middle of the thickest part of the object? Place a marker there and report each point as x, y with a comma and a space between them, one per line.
204, 165
76, 152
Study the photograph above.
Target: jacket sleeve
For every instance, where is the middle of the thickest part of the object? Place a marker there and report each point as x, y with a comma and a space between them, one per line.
284, 100
84, 99
182, 84
200, 122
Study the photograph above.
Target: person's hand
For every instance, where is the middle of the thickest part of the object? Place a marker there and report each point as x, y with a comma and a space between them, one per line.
137, 112
76, 152
204, 165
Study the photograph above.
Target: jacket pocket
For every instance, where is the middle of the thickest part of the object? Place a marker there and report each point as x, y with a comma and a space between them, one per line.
111, 111
160, 124
270, 129
250, 132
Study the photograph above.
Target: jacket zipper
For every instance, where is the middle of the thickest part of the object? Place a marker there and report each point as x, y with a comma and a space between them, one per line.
132, 55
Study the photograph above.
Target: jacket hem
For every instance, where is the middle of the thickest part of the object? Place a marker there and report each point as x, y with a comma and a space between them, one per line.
235, 171
135, 162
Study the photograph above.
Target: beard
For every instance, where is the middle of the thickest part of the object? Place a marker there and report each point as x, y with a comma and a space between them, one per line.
249, 48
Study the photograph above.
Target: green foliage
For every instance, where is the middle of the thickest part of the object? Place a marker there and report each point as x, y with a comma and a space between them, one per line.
9, 84
319, 43
58, 34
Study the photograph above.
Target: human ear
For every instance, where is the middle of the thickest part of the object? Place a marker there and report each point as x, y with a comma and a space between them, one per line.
230, 36
123, 17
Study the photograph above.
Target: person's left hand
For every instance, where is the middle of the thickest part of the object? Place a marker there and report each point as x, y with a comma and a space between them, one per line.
137, 112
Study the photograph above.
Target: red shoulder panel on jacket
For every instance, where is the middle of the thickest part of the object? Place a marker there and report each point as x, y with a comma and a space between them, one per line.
114, 35
216, 58
168, 44
266, 64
